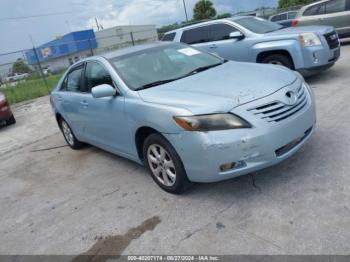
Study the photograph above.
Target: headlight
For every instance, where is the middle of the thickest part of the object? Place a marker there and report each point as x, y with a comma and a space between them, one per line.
204, 123
309, 39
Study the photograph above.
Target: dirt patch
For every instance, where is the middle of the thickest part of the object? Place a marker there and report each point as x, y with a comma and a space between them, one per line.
113, 246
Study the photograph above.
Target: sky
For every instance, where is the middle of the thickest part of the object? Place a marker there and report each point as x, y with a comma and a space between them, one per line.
76, 15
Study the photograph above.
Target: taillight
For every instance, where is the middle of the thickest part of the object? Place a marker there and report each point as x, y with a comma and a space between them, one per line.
295, 22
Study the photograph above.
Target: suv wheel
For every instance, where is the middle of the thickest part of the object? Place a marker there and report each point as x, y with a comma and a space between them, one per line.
278, 59
69, 136
165, 165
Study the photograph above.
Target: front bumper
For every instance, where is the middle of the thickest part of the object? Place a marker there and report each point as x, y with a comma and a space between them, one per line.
264, 145
318, 58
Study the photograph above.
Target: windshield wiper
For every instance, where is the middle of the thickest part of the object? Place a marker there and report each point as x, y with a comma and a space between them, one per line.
156, 83
203, 68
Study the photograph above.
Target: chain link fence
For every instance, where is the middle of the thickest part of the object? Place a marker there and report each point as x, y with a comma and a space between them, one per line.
30, 73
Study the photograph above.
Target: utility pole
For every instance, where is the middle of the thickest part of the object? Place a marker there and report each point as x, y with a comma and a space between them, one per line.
185, 10
39, 64
98, 26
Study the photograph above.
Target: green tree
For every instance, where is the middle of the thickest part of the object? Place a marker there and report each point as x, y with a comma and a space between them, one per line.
20, 67
204, 9
290, 3
224, 15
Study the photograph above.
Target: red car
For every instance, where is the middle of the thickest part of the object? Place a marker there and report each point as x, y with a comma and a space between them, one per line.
6, 114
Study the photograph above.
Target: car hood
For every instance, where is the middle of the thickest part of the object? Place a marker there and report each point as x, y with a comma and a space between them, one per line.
222, 88
303, 29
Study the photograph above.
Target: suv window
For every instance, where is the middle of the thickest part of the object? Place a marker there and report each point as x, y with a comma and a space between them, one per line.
292, 15
220, 32
335, 6
72, 82
196, 35
169, 37
279, 17
315, 10
96, 74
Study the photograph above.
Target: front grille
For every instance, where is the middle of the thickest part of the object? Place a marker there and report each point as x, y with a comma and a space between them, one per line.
332, 40
278, 111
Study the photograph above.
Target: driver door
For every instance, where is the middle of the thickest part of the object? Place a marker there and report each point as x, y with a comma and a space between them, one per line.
104, 118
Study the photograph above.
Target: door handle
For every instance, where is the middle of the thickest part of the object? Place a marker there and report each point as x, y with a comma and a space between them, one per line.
84, 104
213, 46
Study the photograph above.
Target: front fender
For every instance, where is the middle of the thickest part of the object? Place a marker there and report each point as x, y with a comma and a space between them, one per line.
291, 46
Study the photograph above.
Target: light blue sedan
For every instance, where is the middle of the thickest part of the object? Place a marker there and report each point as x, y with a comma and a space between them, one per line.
187, 115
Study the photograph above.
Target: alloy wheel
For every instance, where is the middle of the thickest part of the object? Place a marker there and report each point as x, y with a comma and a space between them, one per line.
161, 164
67, 132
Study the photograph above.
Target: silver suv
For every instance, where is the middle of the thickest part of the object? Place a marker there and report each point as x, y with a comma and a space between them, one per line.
306, 49
334, 13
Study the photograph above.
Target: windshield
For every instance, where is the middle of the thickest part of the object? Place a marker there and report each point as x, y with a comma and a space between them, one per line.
161, 64
258, 25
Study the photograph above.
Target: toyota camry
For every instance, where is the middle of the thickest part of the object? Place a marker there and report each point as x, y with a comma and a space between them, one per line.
187, 115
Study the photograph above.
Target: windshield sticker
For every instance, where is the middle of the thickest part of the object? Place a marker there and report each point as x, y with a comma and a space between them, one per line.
189, 51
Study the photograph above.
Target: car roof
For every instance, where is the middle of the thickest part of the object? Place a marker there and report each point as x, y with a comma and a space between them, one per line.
207, 22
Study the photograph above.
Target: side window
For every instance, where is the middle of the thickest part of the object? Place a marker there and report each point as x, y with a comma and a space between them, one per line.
72, 82
292, 15
96, 74
169, 37
220, 32
283, 17
274, 18
335, 6
196, 35
315, 10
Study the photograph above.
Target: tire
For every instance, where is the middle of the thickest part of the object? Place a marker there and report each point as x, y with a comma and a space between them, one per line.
278, 59
69, 136
165, 165
11, 121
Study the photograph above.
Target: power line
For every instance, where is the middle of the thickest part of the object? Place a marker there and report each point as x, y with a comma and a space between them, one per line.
39, 15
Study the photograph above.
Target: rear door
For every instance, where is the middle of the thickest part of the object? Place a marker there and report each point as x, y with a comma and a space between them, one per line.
214, 38
224, 46
198, 37
337, 15
69, 97
313, 15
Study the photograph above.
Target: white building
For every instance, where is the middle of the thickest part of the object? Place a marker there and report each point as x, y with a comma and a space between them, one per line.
122, 36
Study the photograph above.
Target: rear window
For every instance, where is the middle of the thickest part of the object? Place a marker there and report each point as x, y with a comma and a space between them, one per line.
335, 6
169, 37
315, 10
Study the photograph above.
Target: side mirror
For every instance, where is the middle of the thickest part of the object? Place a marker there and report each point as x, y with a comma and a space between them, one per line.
103, 91
236, 35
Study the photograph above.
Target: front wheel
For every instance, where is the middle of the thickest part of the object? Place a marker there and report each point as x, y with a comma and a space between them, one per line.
165, 165
69, 136
278, 59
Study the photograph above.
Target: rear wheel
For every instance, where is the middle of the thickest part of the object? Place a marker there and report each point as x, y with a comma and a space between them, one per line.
11, 121
165, 165
69, 136
278, 59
